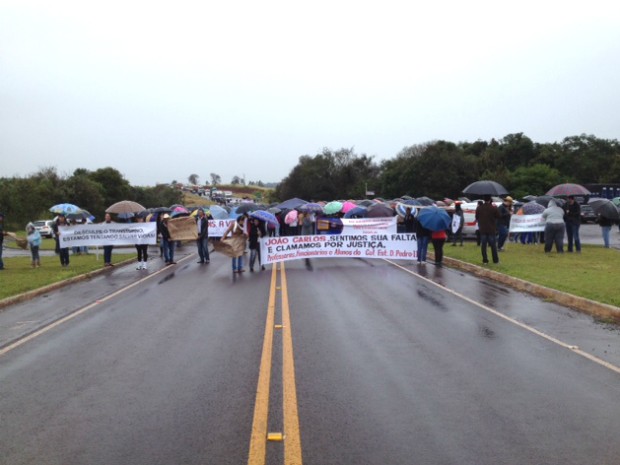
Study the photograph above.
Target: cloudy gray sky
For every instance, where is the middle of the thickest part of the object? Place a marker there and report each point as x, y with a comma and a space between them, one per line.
161, 90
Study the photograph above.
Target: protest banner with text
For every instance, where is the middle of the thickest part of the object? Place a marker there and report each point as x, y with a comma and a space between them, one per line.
359, 238
107, 234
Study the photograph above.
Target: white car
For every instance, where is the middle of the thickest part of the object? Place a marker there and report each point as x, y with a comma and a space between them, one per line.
44, 227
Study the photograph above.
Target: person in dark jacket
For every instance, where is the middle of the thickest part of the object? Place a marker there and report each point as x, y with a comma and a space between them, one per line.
166, 241
572, 220
409, 221
202, 225
256, 231
503, 223
487, 215
423, 237
605, 224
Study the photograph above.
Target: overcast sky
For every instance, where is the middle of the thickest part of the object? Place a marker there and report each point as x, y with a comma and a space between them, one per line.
161, 90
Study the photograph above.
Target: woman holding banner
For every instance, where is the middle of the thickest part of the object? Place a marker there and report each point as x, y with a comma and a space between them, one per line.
235, 246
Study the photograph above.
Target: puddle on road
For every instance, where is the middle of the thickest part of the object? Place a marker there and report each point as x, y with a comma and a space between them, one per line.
486, 332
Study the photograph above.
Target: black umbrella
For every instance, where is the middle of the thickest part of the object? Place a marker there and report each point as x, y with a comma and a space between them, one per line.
606, 208
246, 208
291, 204
485, 187
379, 210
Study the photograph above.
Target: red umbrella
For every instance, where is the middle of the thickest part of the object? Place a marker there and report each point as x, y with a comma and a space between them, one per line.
568, 189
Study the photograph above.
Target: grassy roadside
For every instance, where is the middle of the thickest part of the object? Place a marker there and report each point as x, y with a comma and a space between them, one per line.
592, 274
19, 276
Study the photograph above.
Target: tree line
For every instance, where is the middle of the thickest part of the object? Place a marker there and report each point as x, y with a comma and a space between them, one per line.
441, 169
24, 199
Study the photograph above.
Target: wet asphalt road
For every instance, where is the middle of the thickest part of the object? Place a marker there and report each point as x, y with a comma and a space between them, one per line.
392, 366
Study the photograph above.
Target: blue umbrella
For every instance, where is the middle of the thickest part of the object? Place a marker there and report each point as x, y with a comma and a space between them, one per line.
218, 213
264, 215
434, 218
357, 212
65, 209
311, 208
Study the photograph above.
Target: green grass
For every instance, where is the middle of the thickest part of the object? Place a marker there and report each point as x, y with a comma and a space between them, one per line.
592, 274
19, 276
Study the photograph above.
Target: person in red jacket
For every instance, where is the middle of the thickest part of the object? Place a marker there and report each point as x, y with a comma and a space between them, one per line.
438, 238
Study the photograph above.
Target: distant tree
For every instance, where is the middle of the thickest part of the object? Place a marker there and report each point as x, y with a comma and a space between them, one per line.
532, 180
86, 193
193, 179
215, 179
329, 175
115, 186
236, 180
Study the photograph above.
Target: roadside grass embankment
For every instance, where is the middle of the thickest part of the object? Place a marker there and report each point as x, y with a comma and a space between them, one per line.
592, 274
19, 276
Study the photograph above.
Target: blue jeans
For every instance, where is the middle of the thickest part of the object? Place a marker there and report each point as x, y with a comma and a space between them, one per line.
203, 249
572, 235
107, 253
1, 246
168, 248
606, 230
422, 248
491, 241
237, 263
253, 254
502, 233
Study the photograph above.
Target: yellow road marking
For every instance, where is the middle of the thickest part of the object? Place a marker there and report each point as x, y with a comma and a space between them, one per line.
292, 443
258, 441
570, 347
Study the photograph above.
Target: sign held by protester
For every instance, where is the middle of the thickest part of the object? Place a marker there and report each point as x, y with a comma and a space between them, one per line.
359, 238
107, 234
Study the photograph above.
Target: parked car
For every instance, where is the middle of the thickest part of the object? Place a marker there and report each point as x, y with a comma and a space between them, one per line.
587, 214
44, 227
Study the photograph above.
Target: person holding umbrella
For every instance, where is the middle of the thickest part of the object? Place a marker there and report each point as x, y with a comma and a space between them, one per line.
63, 252
487, 215
572, 218
437, 221
256, 231
107, 249
605, 224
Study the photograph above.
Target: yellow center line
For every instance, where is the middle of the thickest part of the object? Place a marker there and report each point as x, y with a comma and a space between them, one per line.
291, 436
258, 441
292, 441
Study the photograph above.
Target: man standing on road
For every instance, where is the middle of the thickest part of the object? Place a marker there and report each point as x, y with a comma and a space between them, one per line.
572, 218
202, 225
487, 215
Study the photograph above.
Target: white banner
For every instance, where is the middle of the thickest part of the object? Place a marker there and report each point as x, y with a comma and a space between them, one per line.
107, 234
360, 238
218, 227
527, 223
